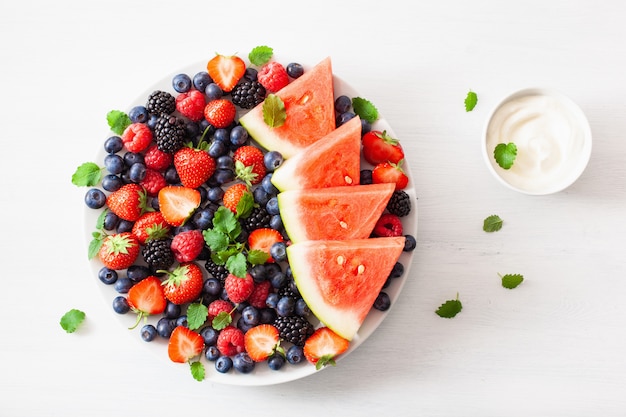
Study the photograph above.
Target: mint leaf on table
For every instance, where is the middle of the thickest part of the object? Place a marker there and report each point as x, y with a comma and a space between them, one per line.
260, 55
511, 281
364, 109
492, 223
197, 370
505, 154
470, 101
118, 121
71, 320
274, 113
450, 308
87, 175
197, 314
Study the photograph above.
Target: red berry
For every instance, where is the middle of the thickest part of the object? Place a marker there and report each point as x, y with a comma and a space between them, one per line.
261, 341
184, 345
238, 289
150, 225
178, 203
249, 164
220, 306
323, 346
233, 194
194, 166
230, 341
156, 159
187, 245
119, 251
226, 71
137, 137
391, 173
380, 147
220, 113
273, 76
388, 225
153, 182
259, 294
191, 105
184, 283
146, 298
129, 202
262, 239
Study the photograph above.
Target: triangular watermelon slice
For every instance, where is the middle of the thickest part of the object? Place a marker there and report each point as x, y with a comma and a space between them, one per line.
333, 213
340, 279
333, 160
310, 107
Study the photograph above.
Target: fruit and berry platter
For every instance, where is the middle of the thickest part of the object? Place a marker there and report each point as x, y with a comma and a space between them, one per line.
250, 219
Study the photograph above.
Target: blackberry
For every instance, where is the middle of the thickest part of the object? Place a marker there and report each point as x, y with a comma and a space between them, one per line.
248, 94
399, 203
169, 133
216, 271
161, 102
258, 218
158, 254
294, 329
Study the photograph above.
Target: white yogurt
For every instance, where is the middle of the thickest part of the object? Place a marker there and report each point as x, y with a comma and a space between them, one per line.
552, 136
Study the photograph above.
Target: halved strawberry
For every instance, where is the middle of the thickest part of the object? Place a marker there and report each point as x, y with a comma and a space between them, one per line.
178, 203
129, 202
323, 346
220, 113
119, 251
249, 165
392, 173
146, 298
226, 71
184, 345
262, 239
381, 147
193, 165
184, 283
261, 341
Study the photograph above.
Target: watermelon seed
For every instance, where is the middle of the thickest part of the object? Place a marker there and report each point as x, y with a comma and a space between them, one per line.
347, 179
340, 260
343, 224
360, 269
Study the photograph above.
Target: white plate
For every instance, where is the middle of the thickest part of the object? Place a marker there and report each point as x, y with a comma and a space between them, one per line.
262, 375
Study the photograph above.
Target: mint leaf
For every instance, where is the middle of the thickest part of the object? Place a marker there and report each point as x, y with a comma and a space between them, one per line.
87, 175
197, 314
274, 113
222, 320
365, 109
197, 370
511, 281
505, 154
236, 265
258, 257
450, 308
71, 320
492, 223
470, 101
118, 121
260, 55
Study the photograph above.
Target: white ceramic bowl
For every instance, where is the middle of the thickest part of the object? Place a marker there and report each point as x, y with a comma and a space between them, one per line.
552, 137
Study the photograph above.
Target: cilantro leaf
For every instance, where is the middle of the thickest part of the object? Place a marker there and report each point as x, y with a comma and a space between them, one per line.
225, 221
197, 370
492, 223
258, 257
450, 308
470, 101
505, 154
71, 320
216, 240
222, 320
197, 314
260, 55
511, 281
118, 121
274, 113
236, 265
87, 175
365, 109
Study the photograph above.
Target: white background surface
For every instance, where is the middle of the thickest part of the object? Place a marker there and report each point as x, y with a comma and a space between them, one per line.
552, 347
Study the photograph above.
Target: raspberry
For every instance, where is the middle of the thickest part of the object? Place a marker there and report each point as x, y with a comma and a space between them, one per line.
191, 105
388, 225
156, 159
238, 289
273, 76
219, 306
137, 137
187, 245
153, 182
230, 341
259, 294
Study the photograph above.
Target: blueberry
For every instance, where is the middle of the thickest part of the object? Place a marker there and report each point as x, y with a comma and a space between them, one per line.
114, 163
276, 361
261, 196
343, 104
111, 220
225, 162
138, 114
152, 121
212, 353
278, 251
181, 83
113, 144
285, 306
272, 299
223, 176
251, 74
343, 118
111, 182
272, 160
243, 326
137, 172
365, 126
276, 222
223, 364
95, 198
302, 309
192, 130
266, 184
268, 316
120, 305
107, 276
122, 285
243, 363
181, 321
293, 287
258, 273
222, 135
209, 334
278, 279
382, 302
124, 226
238, 136
294, 70
137, 272
148, 333
203, 218
409, 243
397, 271
295, 354
206, 128
213, 286
272, 206
131, 158
366, 176
217, 148
165, 327
171, 175
201, 80
213, 92
251, 315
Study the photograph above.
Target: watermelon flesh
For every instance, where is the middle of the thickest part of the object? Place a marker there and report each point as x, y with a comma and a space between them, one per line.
310, 108
340, 279
333, 213
333, 160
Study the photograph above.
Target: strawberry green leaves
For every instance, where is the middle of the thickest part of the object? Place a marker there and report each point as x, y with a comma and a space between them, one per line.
505, 154
492, 223
274, 113
450, 308
470, 101
72, 320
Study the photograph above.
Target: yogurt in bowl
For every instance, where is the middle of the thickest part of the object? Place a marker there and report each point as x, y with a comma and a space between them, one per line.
551, 135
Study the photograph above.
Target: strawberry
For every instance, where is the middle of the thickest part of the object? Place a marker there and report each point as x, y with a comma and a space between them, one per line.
153, 182
233, 195
390, 172
146, 298
388, 225
249, 164
178, 203
129, 202
220, 113
226, 71
137, 137
323, 346
238, 289
184, 283
262, 239
184, 345
261, 341
191, 105
381, 147
156, 159
150, 225
119, 251
230, 341
187, 245
273, 76
193, 165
